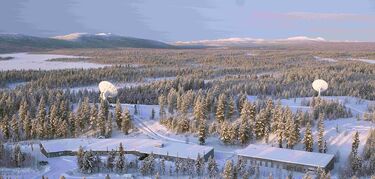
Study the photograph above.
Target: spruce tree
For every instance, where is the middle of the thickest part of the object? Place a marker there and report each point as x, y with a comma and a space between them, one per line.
225, 134
212, 167
220, 110
118, 114
231, 107
80, 155
199, 165
172, 100
120, 162
126, 121
162, 100
321, 133
245, 131
108, 128
202, 132
308, 138
15, 128
280, 125
110, 160
102, 118
290, 134
228, 170
93, 117
27, 126
260, 125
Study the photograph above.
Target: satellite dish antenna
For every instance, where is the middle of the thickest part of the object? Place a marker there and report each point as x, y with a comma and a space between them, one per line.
107, 90
320, 86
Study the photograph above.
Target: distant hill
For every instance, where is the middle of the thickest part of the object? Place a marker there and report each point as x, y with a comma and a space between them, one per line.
19, 42
299, 42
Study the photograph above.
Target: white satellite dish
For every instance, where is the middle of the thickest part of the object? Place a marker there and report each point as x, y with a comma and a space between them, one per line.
320, 86
107, 90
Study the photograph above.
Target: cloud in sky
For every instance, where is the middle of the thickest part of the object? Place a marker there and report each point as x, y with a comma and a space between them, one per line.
330, 16
172, 20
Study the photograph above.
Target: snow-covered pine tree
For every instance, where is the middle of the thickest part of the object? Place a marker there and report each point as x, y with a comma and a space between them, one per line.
80, 155
120, 161
162, 100
355, 144
102, 118
202, 132
93, 117
212, 168
290, 131
118, 114
260, 125
71, 125
245, 131
241, 101
225, 132
172, 100
14, 125
126, 121
199, 165
231, 108
321, 133
88, 162
17, 156
41, 115
27, 126
228, 170
162, 166
54, 119
220, 110
108, 128
110, 160
198, 109
308, 140
62, 130
5, 128
23, 109
355, 159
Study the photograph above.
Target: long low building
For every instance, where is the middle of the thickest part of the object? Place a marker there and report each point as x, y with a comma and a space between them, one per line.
289, 159
139, 147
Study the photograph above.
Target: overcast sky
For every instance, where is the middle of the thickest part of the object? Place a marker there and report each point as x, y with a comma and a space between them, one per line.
185, 20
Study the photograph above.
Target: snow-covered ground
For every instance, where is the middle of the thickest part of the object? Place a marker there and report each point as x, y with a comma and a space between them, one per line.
325, 59
27, 61
12, 86
363, 60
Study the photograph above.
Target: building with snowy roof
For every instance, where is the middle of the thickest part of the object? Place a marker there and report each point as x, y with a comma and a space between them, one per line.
139, 147
295, 160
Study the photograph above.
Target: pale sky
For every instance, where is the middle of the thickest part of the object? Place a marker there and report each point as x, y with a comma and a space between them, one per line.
186, 20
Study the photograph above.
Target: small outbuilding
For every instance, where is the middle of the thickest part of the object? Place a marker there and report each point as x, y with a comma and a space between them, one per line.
294, 160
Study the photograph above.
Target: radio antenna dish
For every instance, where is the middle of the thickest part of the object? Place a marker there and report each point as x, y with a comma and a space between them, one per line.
320, 86
107, 90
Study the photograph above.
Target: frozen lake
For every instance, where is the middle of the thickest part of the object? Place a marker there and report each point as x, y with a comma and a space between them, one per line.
27, 61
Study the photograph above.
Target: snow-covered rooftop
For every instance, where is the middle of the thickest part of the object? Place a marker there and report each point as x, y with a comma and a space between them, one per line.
180, 150
286, 155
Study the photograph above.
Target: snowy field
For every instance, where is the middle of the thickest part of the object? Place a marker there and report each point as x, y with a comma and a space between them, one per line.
331, 60
27, 61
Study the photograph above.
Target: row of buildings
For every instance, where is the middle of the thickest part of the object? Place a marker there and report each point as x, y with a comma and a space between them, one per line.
262, 155
138, 147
